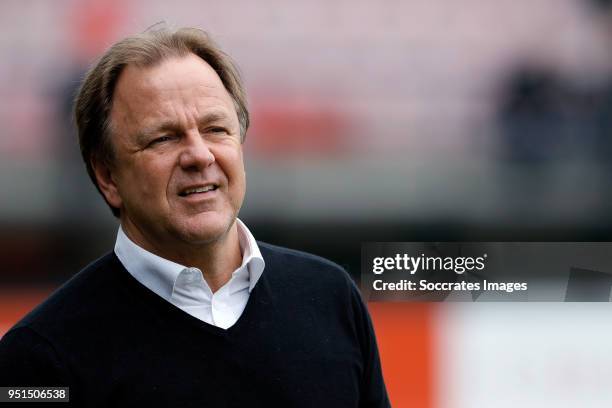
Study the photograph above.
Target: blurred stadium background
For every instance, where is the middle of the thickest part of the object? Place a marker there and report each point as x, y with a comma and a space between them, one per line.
372, 121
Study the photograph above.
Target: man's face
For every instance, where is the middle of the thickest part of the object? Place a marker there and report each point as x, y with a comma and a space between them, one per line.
178, 175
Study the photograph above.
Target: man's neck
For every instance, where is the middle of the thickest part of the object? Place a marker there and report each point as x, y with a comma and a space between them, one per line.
217, 260
220, 259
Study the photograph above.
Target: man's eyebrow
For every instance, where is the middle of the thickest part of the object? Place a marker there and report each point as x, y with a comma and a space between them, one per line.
210, 117
144, 135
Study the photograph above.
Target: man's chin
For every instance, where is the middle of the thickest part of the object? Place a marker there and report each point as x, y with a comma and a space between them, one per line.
206, 231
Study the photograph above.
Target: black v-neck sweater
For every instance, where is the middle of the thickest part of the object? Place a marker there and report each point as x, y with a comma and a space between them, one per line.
304, 340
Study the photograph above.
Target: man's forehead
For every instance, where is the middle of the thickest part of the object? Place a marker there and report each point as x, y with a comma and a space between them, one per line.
188, 72
148, 94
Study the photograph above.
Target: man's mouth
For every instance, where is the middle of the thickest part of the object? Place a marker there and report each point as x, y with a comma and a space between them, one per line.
198, 190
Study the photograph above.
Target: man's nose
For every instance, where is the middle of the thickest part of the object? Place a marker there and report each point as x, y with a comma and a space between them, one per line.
196, 153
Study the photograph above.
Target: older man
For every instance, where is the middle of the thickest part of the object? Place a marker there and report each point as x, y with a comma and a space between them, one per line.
189, 310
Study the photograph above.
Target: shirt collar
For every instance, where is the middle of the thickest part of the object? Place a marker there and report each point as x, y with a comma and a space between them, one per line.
160, 274
251, 256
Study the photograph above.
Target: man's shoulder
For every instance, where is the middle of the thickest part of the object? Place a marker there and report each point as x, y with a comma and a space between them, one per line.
293, 264
87, 291
283, 254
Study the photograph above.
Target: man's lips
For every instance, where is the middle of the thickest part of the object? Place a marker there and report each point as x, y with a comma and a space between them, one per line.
197, 189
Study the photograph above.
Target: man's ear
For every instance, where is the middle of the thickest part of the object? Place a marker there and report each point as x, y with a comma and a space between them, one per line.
106, 182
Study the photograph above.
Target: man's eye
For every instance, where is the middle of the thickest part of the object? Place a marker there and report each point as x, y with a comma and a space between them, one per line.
160, 139
217, 130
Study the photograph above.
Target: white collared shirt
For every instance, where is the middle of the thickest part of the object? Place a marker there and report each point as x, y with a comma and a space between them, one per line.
186, 288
